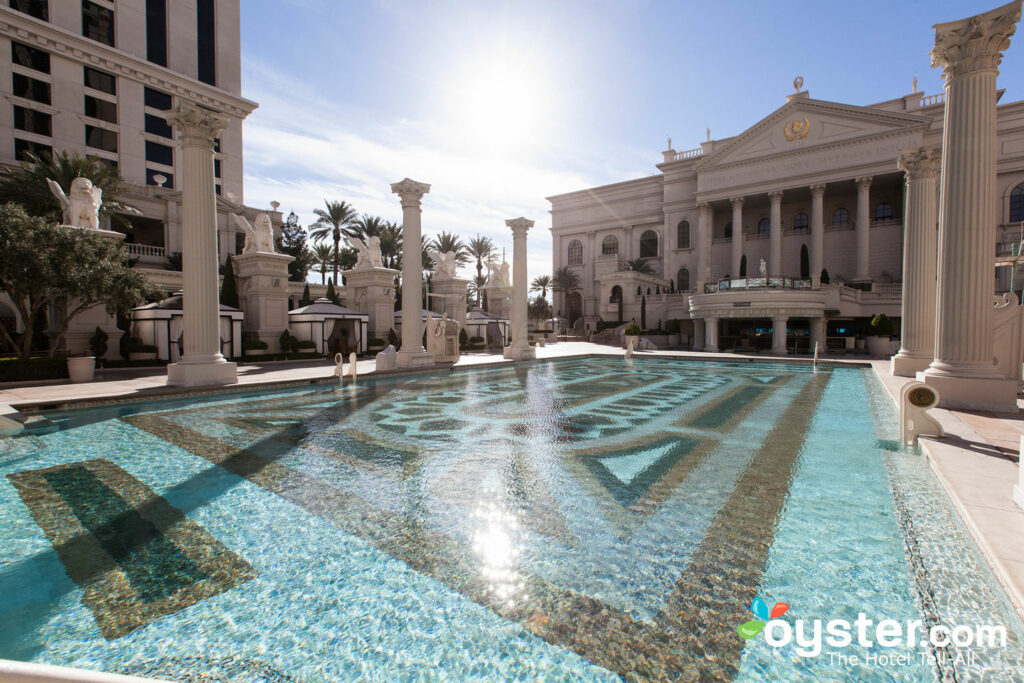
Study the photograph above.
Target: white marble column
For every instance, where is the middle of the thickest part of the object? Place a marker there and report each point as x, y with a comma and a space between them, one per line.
698, 334
705, 214
817, 233
201, 362
711, 334
779, 333
775, 236
863, 230
737, 236
963, 371
818, 330
412, 354
917, 337
520, 348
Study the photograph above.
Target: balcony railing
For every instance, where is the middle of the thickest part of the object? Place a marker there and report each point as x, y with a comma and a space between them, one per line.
757, 283
146, 251
689, 154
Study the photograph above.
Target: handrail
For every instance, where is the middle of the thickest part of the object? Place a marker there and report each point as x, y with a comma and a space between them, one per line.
146, 250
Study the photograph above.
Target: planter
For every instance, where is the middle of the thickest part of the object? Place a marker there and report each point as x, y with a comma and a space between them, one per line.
142, 355
631, 341
254, 352
879, 346
82, 368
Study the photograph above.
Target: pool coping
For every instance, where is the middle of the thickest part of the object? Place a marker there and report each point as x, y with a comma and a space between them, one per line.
979, 487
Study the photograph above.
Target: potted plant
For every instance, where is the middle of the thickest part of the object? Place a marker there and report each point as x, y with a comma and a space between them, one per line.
139, 351
879, 330
81, 368
632, 334
253, 347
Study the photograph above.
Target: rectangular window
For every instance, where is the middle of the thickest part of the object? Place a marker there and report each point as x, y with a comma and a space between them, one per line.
216, 145
31, 89
40, 9
151, 178
98, 23
100, 80
109, 162
157, 100
22, 148
30, 57
100, 109
33, 121
158, 126
216, 168
216, 188
156, 31
159, 154
206, 32
100, 138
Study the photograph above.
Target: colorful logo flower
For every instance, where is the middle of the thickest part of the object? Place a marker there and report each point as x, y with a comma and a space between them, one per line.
759, 607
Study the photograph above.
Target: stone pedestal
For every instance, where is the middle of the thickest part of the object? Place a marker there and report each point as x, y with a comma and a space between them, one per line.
520, 348
964, 370
263, 293
917, 336
499, 299
201, 363
372, 291
412, 354
454, 292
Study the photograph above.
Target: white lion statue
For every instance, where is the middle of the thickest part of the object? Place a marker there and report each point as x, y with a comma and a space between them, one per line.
82, 208
259, 238
445, 263
367, 253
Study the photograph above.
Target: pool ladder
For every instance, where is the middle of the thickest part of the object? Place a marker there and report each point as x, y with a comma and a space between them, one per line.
339, 372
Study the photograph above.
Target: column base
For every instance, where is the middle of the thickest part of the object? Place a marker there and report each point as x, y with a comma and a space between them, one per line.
907, 365
997, 395
185, 374
415, 359
520, 352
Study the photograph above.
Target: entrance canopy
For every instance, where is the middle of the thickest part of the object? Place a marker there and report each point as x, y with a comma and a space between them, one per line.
329, 326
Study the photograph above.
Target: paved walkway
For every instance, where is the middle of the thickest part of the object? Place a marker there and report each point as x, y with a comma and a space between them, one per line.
978, 464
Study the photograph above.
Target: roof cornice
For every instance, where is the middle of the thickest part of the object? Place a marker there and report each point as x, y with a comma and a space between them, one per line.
26, 29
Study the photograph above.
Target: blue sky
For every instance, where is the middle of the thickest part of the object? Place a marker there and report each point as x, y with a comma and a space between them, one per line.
501, 104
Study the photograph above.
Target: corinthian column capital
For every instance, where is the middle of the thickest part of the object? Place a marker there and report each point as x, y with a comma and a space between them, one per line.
923, 162
817, 190
199, 127
737, 202
975, 43
521, 225
775, 197
410, 191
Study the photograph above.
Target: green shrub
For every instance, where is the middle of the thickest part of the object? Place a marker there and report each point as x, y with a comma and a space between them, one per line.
393, 338
141, 348
306, 344
880, 326
476, 340
254, 345
33, 369
288, 342
98, 343
374, 342
463, 337
632, 329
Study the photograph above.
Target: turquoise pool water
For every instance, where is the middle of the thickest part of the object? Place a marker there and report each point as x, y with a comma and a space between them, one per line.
587, 519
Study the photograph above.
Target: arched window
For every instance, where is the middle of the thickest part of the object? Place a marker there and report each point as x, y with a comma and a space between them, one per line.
1017, 204
610, 245
639, 290
649, 244
840, 217
728, 230
648, 290
883, 212
616, 296
575, 253
683, 235
764, 226
683, 280
800, 222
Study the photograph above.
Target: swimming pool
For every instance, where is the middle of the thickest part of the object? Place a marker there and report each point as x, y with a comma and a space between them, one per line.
584, 519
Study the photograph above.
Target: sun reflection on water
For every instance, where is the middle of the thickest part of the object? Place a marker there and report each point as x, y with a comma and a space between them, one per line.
496, 544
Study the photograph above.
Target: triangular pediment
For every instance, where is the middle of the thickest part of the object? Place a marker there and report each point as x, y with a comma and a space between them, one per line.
805, 123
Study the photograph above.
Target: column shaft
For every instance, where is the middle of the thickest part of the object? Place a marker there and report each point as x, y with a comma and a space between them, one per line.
412, 353
737, 236
704, 226
520, 347
200, 279
775, 237
779, 334
698, 334
817, 233
863, 230
711, 334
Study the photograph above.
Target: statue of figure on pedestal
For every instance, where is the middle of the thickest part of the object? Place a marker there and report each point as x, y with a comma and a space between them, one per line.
497, 274
764, 268
259, 238
82, 208
367, 253
445, 263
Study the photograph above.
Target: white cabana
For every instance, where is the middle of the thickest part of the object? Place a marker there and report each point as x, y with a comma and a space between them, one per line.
327, 324
160, 324
492, 329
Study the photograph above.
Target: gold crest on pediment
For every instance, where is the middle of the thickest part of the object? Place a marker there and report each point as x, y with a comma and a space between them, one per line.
797, 130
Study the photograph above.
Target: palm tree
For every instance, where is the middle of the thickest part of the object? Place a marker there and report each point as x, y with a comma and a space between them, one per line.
449, 241
541, 283
476, 288
323, 258
366, 226
330, 223
639, 265
565, 280
26, 184
480, 248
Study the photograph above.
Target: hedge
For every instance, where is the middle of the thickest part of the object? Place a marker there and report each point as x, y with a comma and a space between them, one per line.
33, 369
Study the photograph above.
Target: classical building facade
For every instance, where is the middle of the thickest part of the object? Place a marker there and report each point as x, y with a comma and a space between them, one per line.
813, 192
